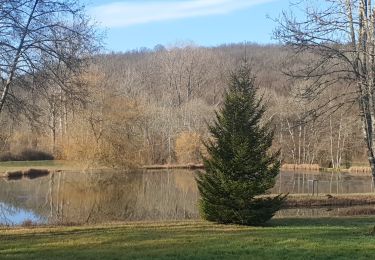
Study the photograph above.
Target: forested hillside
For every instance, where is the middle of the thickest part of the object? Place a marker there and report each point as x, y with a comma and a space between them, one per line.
151, 107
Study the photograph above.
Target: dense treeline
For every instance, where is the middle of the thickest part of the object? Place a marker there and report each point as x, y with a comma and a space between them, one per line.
151, 107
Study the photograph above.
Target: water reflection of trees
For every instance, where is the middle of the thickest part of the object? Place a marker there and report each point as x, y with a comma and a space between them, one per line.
328, 183
23, 197
107, 196
6, 211
123, 196
93, 197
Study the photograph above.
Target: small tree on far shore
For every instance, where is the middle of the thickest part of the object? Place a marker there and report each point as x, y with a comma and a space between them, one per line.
239, 166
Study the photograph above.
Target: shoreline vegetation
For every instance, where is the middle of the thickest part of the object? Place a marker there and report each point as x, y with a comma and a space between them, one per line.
328, 200
285, 167
57, 165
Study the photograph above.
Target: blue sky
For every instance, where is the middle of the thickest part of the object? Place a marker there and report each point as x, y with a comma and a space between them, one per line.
138, 23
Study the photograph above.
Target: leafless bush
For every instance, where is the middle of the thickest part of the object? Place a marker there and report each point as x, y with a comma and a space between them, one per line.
188, 147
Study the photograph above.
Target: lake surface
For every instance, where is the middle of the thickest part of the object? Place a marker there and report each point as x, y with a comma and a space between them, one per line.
105, 196
324, 182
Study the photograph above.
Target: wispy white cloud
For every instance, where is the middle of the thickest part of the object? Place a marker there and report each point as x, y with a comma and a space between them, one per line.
127, 13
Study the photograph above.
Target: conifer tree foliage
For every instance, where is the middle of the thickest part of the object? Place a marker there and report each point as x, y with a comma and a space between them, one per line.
239, 166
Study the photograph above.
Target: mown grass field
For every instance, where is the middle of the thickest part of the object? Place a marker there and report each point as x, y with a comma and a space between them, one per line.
325, 238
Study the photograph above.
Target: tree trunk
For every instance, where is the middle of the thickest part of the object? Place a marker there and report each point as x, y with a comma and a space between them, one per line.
369, 134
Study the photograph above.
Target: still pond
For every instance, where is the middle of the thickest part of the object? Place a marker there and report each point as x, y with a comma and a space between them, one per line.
106, 196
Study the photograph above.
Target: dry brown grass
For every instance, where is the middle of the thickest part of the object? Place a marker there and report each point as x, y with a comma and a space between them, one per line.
357, 211
296, 201
189, 166
309, 167
188, 147
359, 169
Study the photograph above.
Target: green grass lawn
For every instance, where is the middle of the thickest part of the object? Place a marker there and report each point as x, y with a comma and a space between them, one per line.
325, 238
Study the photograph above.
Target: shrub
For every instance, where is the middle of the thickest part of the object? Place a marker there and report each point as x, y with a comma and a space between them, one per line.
35, 155
7, 156
112, 137
27, 223
188, 147
26, 155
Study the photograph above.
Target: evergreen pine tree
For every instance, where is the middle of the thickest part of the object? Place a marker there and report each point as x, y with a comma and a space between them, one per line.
239, 166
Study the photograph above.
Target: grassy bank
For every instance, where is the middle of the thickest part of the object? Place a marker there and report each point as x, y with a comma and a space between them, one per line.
50, 165
325, 238
351, 199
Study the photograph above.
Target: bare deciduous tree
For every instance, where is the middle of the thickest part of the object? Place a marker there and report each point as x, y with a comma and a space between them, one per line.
339, 34
40, 38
